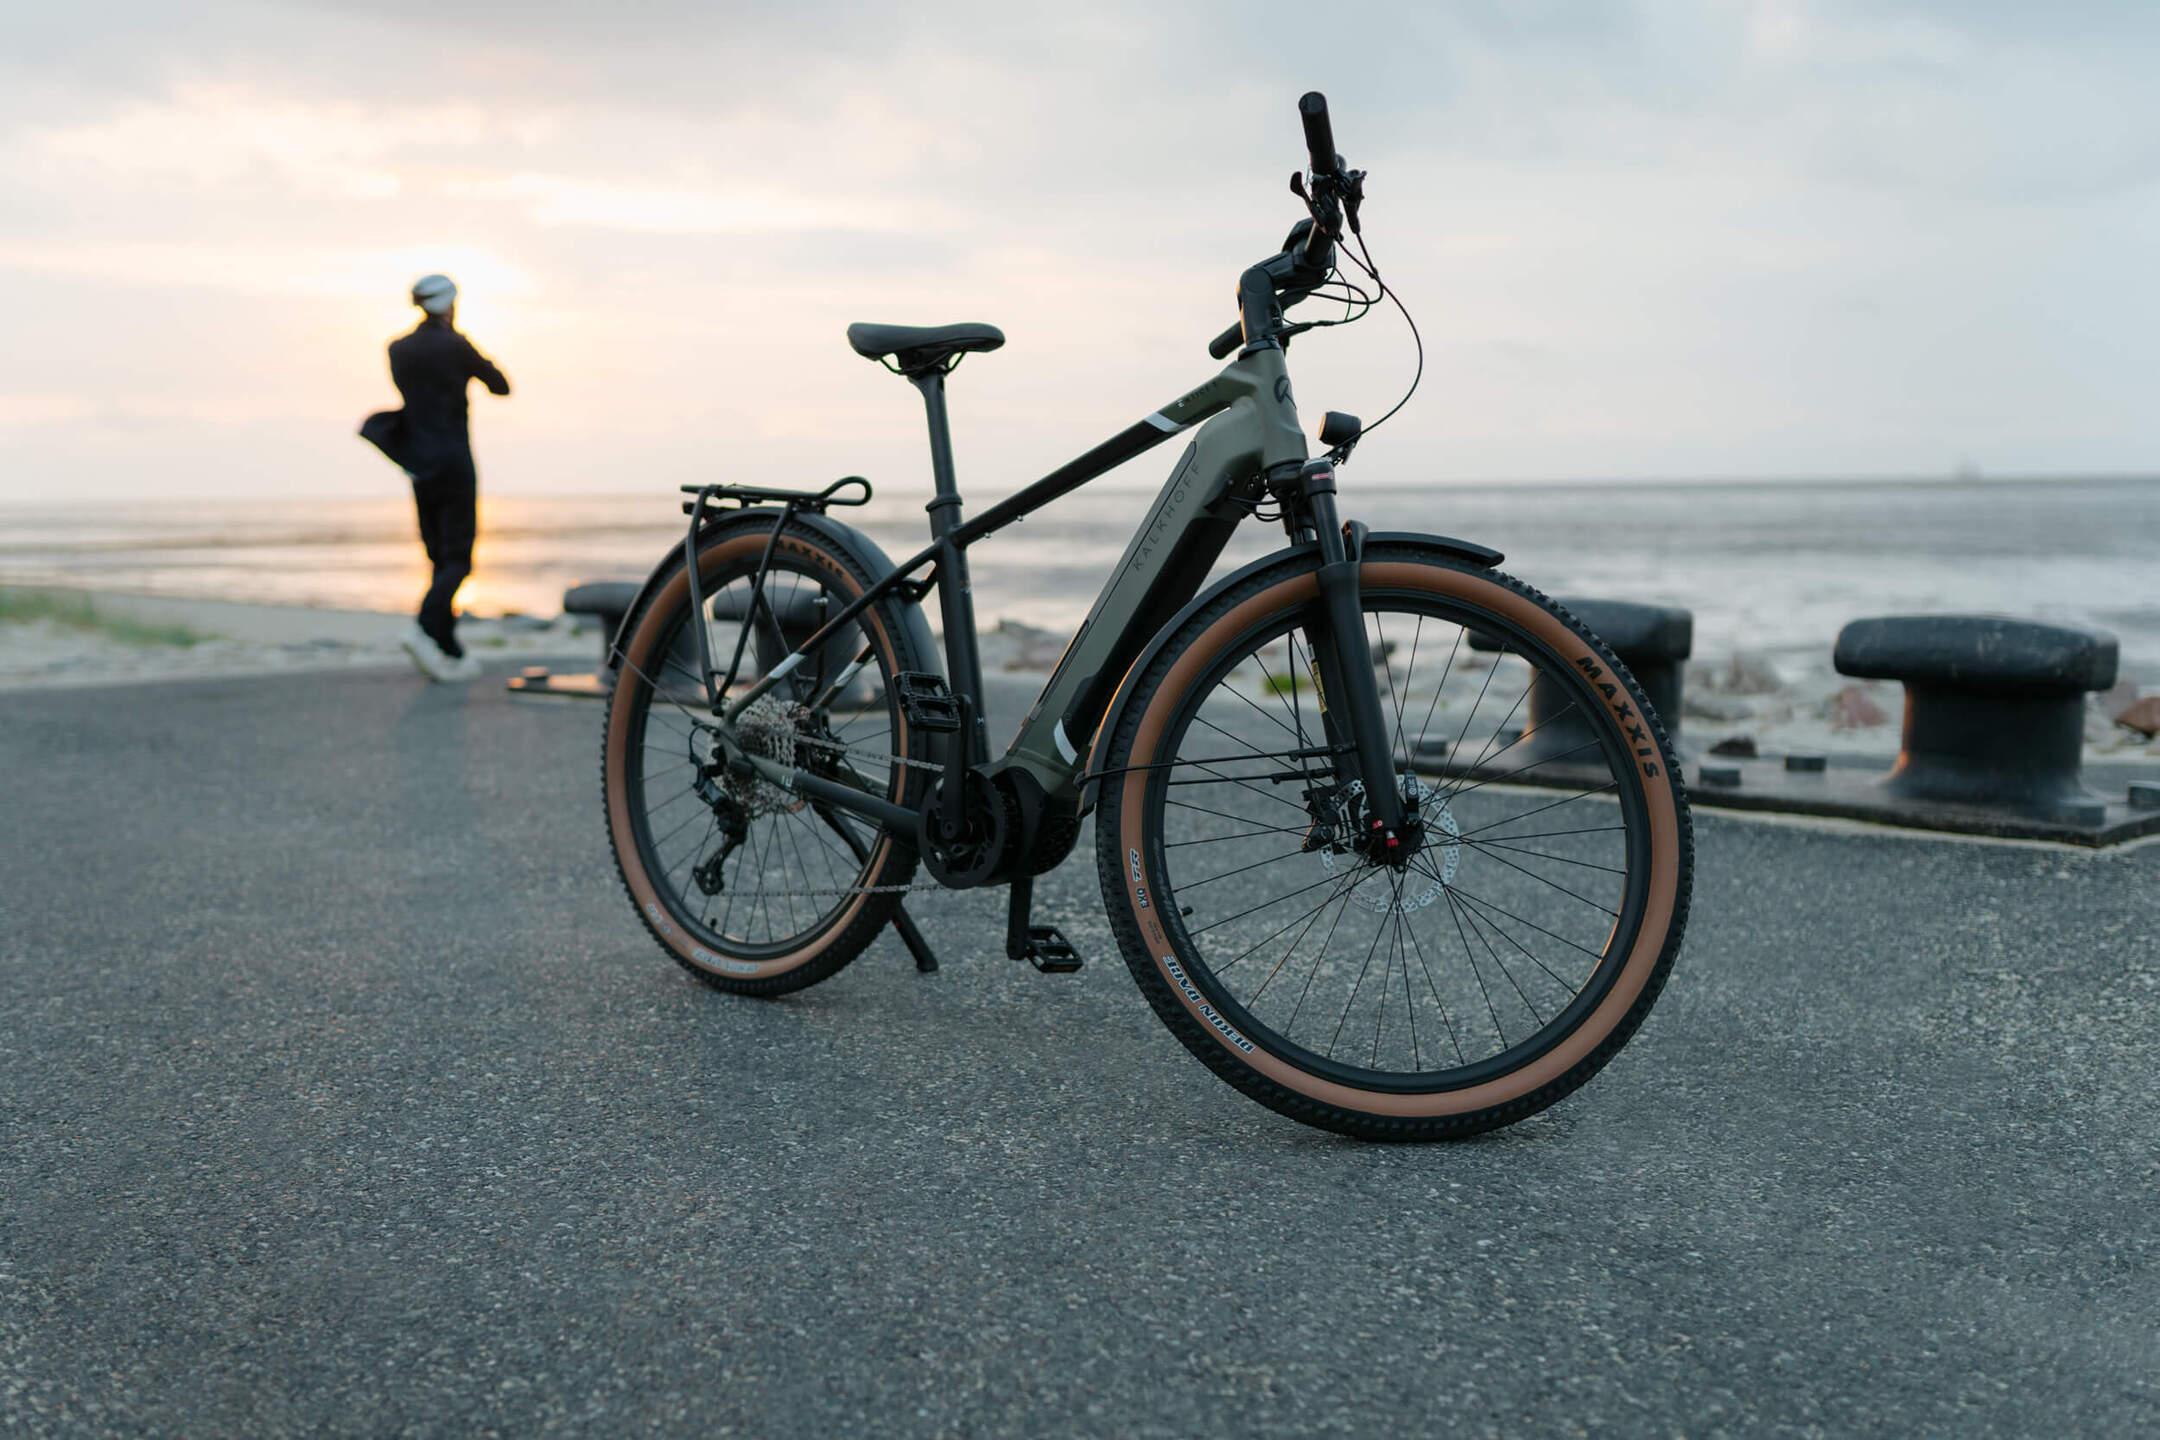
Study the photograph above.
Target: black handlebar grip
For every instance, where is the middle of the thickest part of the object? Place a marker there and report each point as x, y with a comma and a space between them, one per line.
1319, 134
1229, 340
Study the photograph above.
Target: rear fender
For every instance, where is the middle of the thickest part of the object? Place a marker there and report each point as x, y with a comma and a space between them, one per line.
843, 537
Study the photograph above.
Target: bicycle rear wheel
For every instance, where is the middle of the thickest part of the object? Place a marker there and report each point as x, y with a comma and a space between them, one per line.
752, 888
1468, 978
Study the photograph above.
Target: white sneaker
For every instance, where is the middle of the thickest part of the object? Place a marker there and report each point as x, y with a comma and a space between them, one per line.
427, 656
465, 667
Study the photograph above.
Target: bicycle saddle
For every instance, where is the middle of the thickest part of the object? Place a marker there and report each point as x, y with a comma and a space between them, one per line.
918, 347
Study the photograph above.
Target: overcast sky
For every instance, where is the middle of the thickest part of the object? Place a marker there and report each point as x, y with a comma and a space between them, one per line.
1678, 239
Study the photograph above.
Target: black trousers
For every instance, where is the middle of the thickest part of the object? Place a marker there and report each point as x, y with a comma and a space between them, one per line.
445, 498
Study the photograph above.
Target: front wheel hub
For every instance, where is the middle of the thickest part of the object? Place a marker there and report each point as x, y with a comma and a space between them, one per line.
1422, 862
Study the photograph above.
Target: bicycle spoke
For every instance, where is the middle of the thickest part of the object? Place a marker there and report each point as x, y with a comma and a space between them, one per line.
1471, 956
1425, 726
1209, 880
1417, 1058
1275, 900
1224, 814
1497, 729
1387, 667
1336, 924
1556, 885
1246, 785
1506, 935
1490, 671
1311, 918
1470, 899
1380, 1011
1506, 973
1409, 666
1542, 855
1325, 901
1347, 1004
1297, 734
1240, 835
1445, 1018
1279, 943
1579, 795
1519, 770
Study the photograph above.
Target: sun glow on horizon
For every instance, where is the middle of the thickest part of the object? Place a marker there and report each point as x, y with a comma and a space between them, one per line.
1674, 240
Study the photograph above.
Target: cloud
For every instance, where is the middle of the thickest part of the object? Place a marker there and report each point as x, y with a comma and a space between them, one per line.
1653, 237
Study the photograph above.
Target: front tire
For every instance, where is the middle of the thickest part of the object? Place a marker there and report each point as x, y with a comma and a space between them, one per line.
1486, 1008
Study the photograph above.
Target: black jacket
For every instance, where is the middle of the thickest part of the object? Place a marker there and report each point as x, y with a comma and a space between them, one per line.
431, 367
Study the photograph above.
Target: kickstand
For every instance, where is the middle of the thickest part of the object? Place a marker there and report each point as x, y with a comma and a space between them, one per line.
903, 923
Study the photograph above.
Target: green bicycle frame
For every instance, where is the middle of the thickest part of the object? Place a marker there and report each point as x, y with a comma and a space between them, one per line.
1247, 428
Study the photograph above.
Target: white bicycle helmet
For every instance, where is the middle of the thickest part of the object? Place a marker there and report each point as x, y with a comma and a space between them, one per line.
434, 294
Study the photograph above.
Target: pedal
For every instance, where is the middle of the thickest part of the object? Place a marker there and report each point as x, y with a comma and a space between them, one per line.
926, 701
1050, 952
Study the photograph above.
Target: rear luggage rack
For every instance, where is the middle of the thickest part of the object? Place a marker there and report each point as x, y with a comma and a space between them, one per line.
711, 497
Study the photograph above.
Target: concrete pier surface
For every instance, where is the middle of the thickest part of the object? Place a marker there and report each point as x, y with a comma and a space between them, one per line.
340, 1090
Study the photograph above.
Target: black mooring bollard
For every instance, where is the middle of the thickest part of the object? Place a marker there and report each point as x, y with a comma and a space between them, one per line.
609, 600
1994, 707
1653, 641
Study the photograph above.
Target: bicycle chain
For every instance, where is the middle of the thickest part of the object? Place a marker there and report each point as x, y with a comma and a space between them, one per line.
931, 765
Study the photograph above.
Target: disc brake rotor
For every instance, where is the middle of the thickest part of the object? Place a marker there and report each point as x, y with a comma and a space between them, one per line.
1440, 842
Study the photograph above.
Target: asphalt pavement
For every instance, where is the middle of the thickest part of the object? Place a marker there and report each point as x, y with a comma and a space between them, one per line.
341, 1091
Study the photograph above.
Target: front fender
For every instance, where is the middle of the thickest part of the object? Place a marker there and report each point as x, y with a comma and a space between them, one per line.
1290, 560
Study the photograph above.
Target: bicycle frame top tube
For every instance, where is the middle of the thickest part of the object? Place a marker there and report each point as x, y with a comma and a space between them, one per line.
1247, 425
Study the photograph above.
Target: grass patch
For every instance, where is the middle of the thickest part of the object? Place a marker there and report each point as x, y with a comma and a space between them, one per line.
1282, 684
76, 612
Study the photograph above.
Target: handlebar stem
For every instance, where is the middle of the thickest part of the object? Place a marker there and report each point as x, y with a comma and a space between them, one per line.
1258, 314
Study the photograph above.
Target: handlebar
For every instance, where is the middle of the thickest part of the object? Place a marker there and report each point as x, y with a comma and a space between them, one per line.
1319, 134
1308, 255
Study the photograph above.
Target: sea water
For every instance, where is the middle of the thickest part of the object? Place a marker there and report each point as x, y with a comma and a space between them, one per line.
1769, 568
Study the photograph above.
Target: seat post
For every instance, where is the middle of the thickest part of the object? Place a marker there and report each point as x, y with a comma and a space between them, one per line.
945, 516
956, 596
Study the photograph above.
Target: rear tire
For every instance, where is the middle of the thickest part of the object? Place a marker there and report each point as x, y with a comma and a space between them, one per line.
1178, 937
816, 905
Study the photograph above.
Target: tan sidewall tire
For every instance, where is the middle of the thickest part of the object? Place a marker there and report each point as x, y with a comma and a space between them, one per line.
639, 651
1664, 809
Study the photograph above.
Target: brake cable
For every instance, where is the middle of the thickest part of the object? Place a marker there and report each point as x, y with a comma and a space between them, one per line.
1366, 264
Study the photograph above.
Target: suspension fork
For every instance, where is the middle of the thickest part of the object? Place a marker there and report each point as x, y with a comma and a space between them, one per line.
1350, 704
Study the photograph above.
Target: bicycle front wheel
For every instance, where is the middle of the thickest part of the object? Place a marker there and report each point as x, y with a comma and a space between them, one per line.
1473, 974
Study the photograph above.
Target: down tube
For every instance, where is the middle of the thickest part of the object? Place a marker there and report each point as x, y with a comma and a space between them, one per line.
1164, 566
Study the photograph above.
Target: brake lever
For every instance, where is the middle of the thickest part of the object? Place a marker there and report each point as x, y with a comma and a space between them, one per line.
1326, 216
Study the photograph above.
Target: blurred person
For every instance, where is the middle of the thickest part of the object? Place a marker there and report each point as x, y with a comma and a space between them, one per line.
430, 440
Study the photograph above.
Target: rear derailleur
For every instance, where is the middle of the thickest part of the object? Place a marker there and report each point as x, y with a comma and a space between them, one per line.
736, 794
734, 828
